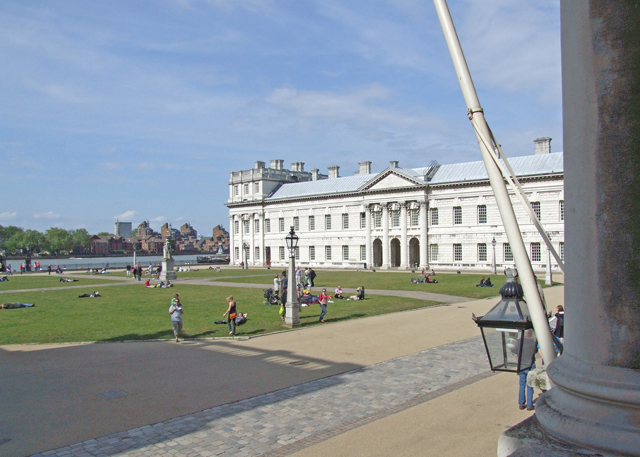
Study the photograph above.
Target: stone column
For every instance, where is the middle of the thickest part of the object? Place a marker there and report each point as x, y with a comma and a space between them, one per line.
403, 236
595, 401
385, 236
231, 234
241, 237
262, 247
251, 254
424, 242
548, 278
369, 246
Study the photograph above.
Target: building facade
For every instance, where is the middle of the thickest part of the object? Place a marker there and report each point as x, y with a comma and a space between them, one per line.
440, 216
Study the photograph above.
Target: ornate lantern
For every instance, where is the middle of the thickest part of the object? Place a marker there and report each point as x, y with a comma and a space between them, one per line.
292, 242
507, 331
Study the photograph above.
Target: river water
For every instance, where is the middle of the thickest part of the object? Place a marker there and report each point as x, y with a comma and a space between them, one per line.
99, 262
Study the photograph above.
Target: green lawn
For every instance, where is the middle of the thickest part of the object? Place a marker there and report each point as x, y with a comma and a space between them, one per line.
132, 313
463, 285
21, 282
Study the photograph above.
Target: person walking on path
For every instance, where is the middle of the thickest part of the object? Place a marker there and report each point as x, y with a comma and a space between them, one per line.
231, 315
312, 277
298, 276
175, 310
276, 285
323, 299
49, 270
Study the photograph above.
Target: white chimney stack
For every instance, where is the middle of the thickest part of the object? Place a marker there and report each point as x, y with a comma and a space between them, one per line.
334, 171
543, 145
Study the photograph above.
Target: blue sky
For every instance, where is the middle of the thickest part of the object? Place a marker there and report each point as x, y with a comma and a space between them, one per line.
140, 110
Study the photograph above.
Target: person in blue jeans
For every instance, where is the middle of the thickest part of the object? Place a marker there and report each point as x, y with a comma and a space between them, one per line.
529, 349
525, 401
323, 299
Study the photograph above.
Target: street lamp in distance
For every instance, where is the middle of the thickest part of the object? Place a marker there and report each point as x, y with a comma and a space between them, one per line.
292, 307
493, 262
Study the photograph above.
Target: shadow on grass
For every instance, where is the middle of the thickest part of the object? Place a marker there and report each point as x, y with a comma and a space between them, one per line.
161, 335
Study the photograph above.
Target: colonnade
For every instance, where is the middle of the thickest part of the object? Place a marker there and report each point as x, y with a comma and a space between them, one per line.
251, 239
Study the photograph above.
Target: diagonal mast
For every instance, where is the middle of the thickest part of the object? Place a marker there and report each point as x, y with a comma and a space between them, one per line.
476, 115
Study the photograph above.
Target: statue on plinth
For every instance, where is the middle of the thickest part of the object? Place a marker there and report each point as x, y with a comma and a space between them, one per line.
167, 272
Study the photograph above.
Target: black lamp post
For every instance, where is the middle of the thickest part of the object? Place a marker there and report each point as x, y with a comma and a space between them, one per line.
291, 316
493, 262
507, 331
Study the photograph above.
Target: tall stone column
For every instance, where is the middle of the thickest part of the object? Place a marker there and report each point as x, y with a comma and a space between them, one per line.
263, 252
424, 242
595, 401
548, 277
231, 234
403, 236
241, 237
367, 228
385, 236
252, 242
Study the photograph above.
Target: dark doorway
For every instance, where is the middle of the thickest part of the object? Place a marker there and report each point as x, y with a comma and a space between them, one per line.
414, 253
377, 253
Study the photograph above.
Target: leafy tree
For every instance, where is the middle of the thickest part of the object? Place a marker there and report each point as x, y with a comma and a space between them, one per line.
105, 234
59, 239
32, 238
81, 237
6, 233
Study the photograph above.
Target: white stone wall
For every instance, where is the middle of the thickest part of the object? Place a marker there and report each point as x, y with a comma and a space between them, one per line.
469, 234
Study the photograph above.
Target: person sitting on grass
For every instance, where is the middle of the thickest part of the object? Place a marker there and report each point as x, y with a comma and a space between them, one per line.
481, 283
148, 283
4, 278
430, 281
359, 294
339, 293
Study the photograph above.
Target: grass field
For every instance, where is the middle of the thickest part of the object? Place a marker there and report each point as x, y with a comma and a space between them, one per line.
21, 282
135, 313
463, 285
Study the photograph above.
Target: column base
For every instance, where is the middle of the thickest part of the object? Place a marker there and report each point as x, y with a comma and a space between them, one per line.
595, 405
529, 439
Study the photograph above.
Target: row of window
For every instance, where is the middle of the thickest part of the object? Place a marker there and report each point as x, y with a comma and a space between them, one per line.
507, 255
328, 253
414, 221
482, 213
236, 189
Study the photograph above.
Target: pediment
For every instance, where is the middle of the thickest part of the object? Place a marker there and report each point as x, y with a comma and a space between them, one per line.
391, 178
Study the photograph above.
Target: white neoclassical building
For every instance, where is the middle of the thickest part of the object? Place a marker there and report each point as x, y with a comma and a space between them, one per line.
438, 216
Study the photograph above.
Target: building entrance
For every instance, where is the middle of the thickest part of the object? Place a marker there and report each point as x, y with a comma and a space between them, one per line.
377, 253
394, 260
414, 253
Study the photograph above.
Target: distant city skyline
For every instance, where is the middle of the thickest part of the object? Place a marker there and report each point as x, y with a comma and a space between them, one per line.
140, 111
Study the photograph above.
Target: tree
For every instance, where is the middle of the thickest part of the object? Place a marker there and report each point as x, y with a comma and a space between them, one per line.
6, 233
59, 239
105, 234
81, 238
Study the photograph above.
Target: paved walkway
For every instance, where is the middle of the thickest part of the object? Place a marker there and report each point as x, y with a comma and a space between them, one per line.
282, 422
411, 383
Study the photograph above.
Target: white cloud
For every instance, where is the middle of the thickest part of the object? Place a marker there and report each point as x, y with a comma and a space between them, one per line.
127, 216
8, 215
47, 215
159, 219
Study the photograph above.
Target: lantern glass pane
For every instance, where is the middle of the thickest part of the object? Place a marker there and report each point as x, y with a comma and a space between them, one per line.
510, 349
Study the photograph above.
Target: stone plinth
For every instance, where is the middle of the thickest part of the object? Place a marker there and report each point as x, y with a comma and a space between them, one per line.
167, 272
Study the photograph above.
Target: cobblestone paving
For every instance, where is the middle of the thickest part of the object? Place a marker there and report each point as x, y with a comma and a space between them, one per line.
281, 422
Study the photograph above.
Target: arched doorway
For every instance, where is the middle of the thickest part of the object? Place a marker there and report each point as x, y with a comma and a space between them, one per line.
414, 253
394, 260
377, 253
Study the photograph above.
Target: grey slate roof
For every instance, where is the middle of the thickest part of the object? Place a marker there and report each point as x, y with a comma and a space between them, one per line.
322, 186
469, 171
539, 164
